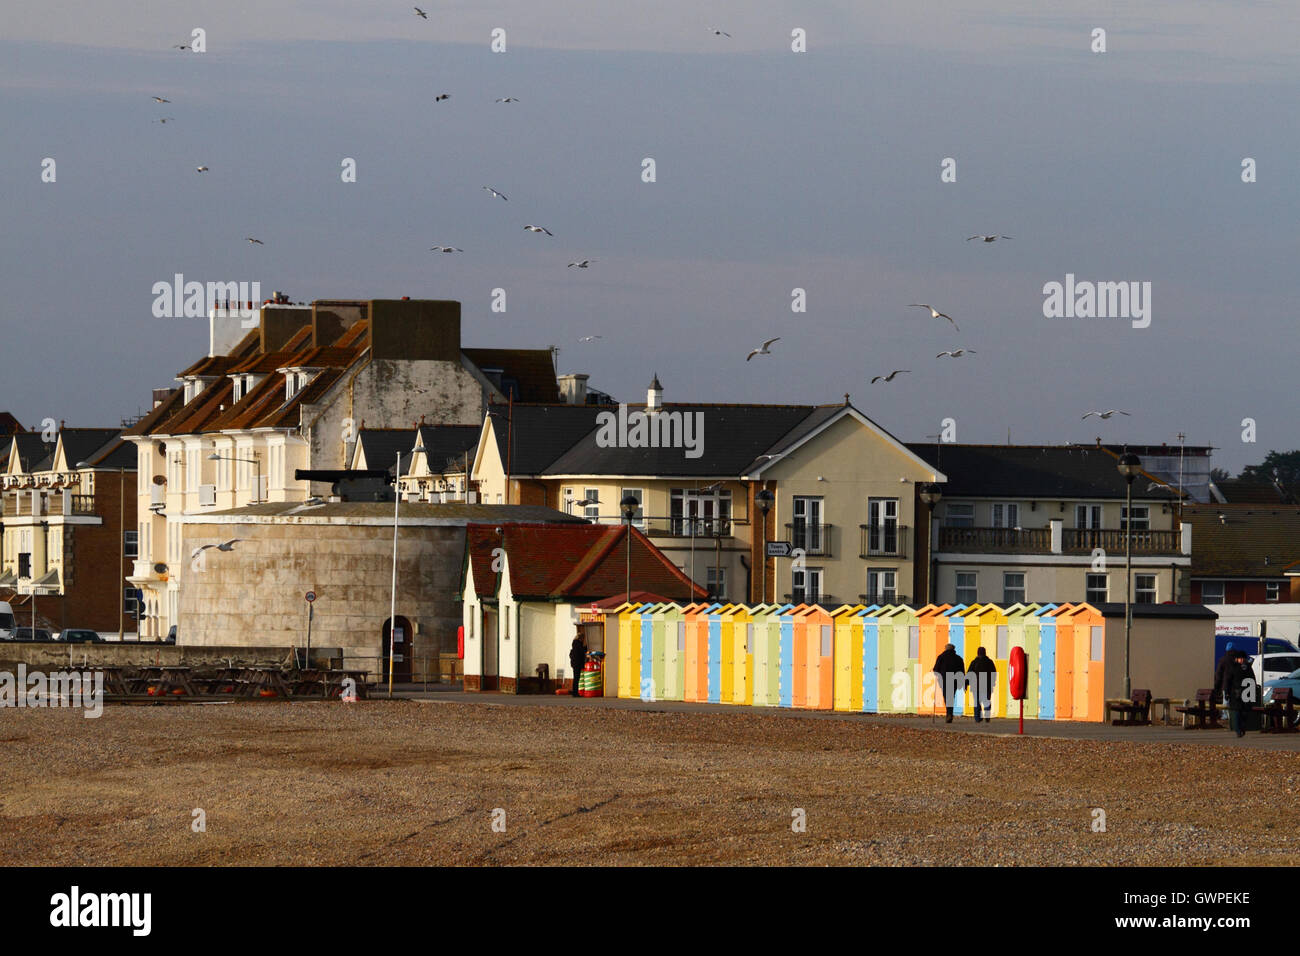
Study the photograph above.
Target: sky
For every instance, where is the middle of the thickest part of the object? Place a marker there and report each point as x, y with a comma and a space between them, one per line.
775, 170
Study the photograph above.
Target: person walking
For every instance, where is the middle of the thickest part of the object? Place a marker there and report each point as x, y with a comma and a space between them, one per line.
577, 657
1239, 681
981, 677
951, 672
1230, 655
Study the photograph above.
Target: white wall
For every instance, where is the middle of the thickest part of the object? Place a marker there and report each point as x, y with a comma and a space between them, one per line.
1283, 620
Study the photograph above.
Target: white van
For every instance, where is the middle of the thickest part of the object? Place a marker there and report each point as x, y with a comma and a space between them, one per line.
6, 622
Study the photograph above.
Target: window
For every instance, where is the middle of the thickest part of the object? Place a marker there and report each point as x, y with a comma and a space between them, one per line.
749, 639
806, 586
716, 581
1272, 591
1212, 592
966, 590
1144, 588
959, 516
1087, 517
681, 636
591, 510
131, 543
1004, 642
1013, 588
826, 647
700, 512
1141, 518
1095, 645
914, 641
129, 603
882, 526
1097, 589
882, 586
24, 565
807, 531
1006, 515
638, 518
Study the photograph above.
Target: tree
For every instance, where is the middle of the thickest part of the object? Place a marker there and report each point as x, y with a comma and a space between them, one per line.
1283, 466
1219, 474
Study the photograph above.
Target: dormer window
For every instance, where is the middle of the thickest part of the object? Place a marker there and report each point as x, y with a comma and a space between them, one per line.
245, 382
295, 379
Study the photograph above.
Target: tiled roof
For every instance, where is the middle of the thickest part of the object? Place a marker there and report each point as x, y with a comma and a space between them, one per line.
168, 407
33, 454
530, 371
447, 445
585, 562
79, 444
1257, 491
1033, 471
380, 446
1248, 541
539, 434
221, 364
8, 424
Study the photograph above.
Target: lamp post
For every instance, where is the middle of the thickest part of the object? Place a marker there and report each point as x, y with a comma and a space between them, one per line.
628, 506
256, 462
764, 499
392, 596
930, 495
1129, 466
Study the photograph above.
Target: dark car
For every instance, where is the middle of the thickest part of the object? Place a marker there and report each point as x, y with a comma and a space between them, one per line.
75, 635
26, 634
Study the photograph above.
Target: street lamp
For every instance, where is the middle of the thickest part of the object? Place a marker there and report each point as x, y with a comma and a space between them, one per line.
764, 499
1129, 466
256, 497
392, 596
930, 495
628, 506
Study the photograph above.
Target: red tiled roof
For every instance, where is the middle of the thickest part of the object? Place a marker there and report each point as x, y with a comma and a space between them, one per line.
582, 562
221, 364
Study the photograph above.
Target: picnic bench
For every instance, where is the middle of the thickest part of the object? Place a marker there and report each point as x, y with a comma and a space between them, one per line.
1135, 712
1204, 714
1278, 715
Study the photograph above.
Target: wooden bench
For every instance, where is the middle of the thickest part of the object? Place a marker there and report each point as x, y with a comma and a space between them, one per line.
1278, 715
1132, 713
1204, 715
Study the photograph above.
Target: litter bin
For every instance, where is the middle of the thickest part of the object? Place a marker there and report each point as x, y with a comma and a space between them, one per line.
591, 683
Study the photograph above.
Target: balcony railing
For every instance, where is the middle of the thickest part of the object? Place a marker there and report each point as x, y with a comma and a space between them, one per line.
1112, 540
825, 600
814, 539
882, 598
996, 539
884, 541
686, 527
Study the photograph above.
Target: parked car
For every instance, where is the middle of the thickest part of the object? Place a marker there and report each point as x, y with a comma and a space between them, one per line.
7, 623
1291, 681
27, 634
78, 635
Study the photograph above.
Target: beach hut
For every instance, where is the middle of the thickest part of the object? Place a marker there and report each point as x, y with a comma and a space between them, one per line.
742, 657
717, 648
987, 628
848, 657
897, 675
786, 653
629, 650
963, 634
815, 647
760, 636
674, 617
1063, 657
1088, 699
1042, 626
869, 621
933, 629
1018, 617
695, 681
645, 672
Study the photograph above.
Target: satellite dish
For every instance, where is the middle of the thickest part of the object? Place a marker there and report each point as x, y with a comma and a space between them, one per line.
160, 568
159, 480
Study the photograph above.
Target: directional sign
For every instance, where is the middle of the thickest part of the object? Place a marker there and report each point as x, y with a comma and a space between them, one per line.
311, 596
778, 549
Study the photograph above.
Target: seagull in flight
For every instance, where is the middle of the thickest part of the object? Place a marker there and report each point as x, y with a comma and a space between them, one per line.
201, 169
180, 46
582, 264
720, 33
420, 13
224, 546
765, 350
167, 119
890, 376
445, 249
159, 99
256, 242
540, 229
934, 313
590, 338
495, 193
990, 238
1104, 415
442, 96
507, 99
956, 353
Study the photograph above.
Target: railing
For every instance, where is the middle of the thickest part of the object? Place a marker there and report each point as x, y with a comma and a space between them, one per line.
996, 539
686, 527
81, 504
1112, 540
825, 600
882, 598
814, 539
884, 541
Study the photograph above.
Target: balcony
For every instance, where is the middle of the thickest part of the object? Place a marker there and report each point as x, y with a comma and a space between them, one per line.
1112, 541
685, 527
825, 600
884, 541
1073, 541
814, 539
996, 540
882, 598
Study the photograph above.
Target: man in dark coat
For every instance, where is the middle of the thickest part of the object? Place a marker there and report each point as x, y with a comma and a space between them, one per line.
951, 673
1225, 661
981, 678
577, 657
1239, 681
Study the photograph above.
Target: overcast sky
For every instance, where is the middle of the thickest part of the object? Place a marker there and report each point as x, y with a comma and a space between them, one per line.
775, 170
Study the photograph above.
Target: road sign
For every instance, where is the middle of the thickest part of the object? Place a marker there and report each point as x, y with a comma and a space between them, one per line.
311, 596
778, 549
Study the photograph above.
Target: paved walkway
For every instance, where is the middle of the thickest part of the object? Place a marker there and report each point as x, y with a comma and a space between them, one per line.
1001, 727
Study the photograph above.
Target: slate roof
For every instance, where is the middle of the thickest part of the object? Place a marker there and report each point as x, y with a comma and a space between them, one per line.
380, 446
445, 446
539, 434
583, 562
8, 424
1034, 471
1257, 491
33, 454
1116, 609
531, 372
100, 447
1251, 541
